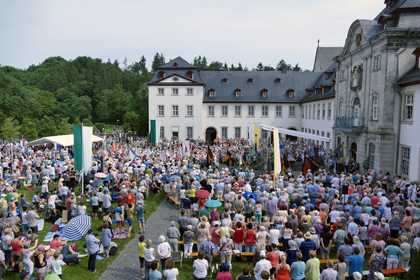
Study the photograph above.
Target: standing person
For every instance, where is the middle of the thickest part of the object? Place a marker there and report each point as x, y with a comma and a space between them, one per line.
224, 273
341, 268
57, 264
200, 267
92, 245
393, 253
262, 265
170, 272
141, 245
307, 246
329, 273
173, 235
298, 268
149, 258
355, 262
283, 269
106, 238
226, 251
376, 262
246, 274
312, 267
188, 238
163, 250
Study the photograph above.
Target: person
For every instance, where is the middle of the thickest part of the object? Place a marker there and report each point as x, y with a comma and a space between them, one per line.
283, 269
298, 268
92, 245
141, 245
170, 272
56, 265
173, 236
154, 273
149, 258
224, 273
163, 250
355, 262
188, 238
262, 265
40, 262
393, 253
357, 276
329, 273
69, 255
226, 250
200, 267
341, 268
307, 245
376, 262
106, 238
312, 267
246, 274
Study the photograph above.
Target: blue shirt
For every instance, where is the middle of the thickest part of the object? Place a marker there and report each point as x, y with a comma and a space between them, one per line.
355, 263
298, 270
155, 275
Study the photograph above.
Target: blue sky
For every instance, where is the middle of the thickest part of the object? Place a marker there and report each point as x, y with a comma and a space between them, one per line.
246, 31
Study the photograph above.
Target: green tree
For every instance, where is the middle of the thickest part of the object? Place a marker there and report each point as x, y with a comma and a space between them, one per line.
158, 60
131, 121
9, 129
28, 129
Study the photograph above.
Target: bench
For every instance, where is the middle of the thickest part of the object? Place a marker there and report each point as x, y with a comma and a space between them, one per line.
394, 271
327, 261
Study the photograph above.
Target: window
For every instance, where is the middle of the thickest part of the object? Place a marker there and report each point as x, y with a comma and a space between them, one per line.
190, 111
375, 107
211, 93
405, 161
292, 111
162, 132
329, 112
237, 111
189, 74
318, 111
310, 112
161, 91
237, 92
291, 93
161, 110
175, 110
377, 63
251, 110
237, 132
161, 74
328, 135
264, 93
371, 155
313, 111
175, 92
211, 111
408, 107
264, 111
190, 132
190, 91
224, 132
323, 111
224, 111
278, 111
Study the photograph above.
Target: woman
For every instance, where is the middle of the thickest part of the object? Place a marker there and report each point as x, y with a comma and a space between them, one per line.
376, 262
250, 240
326, 241
291, 252
224, 273
298, 268
170, 272
149, 257
40, 262
106, 237
69, 255
341, 268
283, 269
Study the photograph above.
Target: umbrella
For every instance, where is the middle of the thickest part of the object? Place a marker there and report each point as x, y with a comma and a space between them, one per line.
213, 203
202, 194
77, 227
101, 175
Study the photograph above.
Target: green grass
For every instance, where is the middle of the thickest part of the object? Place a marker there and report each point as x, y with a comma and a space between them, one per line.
79, 271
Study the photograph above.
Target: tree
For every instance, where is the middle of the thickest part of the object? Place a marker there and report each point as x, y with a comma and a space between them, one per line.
282, 66
260, 67
297, 68
158, 60
28, 129
10, 129
131, 121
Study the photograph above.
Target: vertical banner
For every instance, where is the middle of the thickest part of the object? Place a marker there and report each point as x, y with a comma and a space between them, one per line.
276, 147
82, 147
257, 135
152, 132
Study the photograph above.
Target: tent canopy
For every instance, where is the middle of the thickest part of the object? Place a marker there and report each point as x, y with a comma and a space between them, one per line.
296, 133
62, 140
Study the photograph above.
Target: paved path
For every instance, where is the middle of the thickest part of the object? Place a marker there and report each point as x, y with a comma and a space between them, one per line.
126, 266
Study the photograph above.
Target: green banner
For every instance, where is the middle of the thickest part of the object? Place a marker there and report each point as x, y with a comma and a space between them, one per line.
78, 147
152, 133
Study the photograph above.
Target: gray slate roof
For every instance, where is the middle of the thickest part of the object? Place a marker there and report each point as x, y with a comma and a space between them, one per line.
325, 80
401, 4
412, 77
324, 57
370, 28
276, 83
177, 63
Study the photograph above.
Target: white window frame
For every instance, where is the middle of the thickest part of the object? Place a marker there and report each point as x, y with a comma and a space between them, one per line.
175, 91
375, 107
224, 132
238, 132
264, 111
161, 110
279, 111
190, 110
408, 103
161, 92
323, 111
405, 160
175, 110
292, 113
238, 111
162, 132
210, 110
190, 91
225, 111
190, 132
251, 111
329, 110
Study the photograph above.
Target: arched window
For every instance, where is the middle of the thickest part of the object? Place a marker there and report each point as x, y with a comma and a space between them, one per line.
189, 74
371, 155
264, 93
291, 93
211, 93
237, 92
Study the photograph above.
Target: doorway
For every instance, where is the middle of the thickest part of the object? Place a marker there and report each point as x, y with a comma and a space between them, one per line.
353, 151
211, 134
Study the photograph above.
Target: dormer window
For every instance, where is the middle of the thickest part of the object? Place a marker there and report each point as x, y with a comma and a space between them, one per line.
277, 80
237, 92
175, 64
250, 81
211, 93
161, 74
189, 74
359, 39
291, 93
264, 93
224, 81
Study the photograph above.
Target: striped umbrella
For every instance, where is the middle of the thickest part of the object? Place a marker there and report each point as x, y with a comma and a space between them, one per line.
77, 227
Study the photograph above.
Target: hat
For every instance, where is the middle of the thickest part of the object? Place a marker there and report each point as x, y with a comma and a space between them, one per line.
307, 235
189, 227
357, 275
379, 276
161, 238
262, 254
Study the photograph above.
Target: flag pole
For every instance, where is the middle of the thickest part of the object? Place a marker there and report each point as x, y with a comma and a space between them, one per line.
82, 171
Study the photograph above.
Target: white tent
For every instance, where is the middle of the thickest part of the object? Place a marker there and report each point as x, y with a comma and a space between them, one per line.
62, 140
296, 133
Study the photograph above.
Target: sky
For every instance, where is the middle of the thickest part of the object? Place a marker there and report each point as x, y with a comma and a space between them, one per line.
246, 31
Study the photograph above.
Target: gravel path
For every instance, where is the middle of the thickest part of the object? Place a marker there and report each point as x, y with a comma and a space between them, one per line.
126, 266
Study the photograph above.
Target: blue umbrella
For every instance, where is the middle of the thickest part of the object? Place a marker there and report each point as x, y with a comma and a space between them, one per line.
213, 203
77, 227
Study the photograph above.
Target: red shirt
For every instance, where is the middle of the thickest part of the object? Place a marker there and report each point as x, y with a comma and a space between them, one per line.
16, 245
250, 237
374, 200
55, 244
238, 235
274, 258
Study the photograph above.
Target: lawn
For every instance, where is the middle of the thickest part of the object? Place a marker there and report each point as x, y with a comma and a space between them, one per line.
79, 271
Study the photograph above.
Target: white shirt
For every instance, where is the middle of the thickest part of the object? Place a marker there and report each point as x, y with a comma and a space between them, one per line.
260, 266
149, 254
171, 274
200, 267
329, 274
164, 250
274, 236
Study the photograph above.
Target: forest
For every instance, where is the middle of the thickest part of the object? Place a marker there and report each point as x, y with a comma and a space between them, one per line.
46, 99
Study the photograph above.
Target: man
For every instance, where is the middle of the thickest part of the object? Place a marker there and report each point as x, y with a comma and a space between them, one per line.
355, 262
92, 245
307, 245
262, 265
329, 273
163, 250
200, 267
173, 235
312, 267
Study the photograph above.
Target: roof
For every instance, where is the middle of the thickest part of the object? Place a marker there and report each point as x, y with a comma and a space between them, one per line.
251, 83
411, 78
177, 63
326, 80
324, 57
62, 140
399, 5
